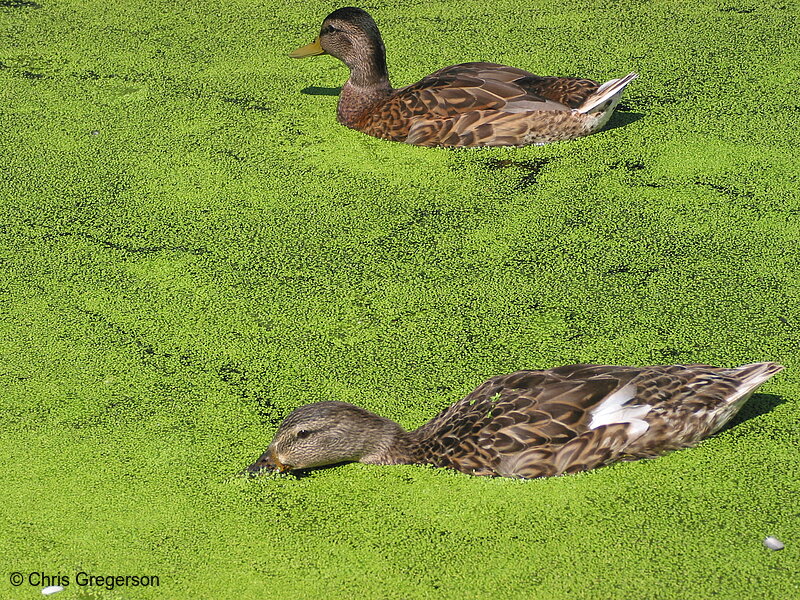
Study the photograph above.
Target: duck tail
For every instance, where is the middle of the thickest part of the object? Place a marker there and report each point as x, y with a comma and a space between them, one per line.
746, 379
609, 91
753, 375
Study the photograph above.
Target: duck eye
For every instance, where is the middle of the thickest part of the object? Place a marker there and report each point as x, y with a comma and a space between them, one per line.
329, 29
303, 433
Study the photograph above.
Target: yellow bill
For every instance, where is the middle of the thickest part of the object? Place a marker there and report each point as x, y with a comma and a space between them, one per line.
312, 49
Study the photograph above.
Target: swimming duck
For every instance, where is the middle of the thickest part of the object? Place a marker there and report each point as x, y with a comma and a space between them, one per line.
530, 423
471, 104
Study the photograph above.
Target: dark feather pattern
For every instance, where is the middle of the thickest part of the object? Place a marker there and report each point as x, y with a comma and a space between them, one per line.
542, 423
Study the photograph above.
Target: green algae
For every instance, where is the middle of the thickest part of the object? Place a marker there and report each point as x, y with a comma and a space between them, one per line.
192, 247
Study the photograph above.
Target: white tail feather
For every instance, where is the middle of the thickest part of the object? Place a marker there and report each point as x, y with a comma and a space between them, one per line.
610, 90
753, 375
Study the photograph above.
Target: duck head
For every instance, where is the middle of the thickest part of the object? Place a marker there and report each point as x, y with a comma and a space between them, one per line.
327, 433
351, 35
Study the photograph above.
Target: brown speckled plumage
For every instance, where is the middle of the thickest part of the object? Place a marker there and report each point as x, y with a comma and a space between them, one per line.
531, 423
471, 104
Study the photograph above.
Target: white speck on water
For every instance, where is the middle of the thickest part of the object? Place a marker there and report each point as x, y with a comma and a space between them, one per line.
52, 589
94, 132
773, 543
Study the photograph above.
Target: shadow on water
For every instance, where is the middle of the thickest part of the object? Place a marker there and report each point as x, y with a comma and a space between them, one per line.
622, 118
321, 91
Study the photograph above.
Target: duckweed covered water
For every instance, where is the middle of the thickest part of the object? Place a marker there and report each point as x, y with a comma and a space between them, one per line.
191, 247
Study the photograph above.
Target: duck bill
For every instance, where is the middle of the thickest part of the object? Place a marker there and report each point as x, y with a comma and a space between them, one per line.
312, 49
279, 466
267, 462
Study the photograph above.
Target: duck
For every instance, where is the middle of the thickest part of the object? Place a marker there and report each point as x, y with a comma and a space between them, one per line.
466, 105
529, 424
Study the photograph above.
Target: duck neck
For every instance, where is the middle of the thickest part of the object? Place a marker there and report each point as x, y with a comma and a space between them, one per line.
399, 449
368, 84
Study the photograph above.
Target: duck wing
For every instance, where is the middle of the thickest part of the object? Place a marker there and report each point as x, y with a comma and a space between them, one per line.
474, 86
479, 104
573, 418
483, 86
526, 415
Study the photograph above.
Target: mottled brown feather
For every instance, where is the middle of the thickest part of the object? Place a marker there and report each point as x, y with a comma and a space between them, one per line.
549, 412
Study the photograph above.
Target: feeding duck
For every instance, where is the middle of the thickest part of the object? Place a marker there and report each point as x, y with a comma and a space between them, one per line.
530, 423
471, 104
